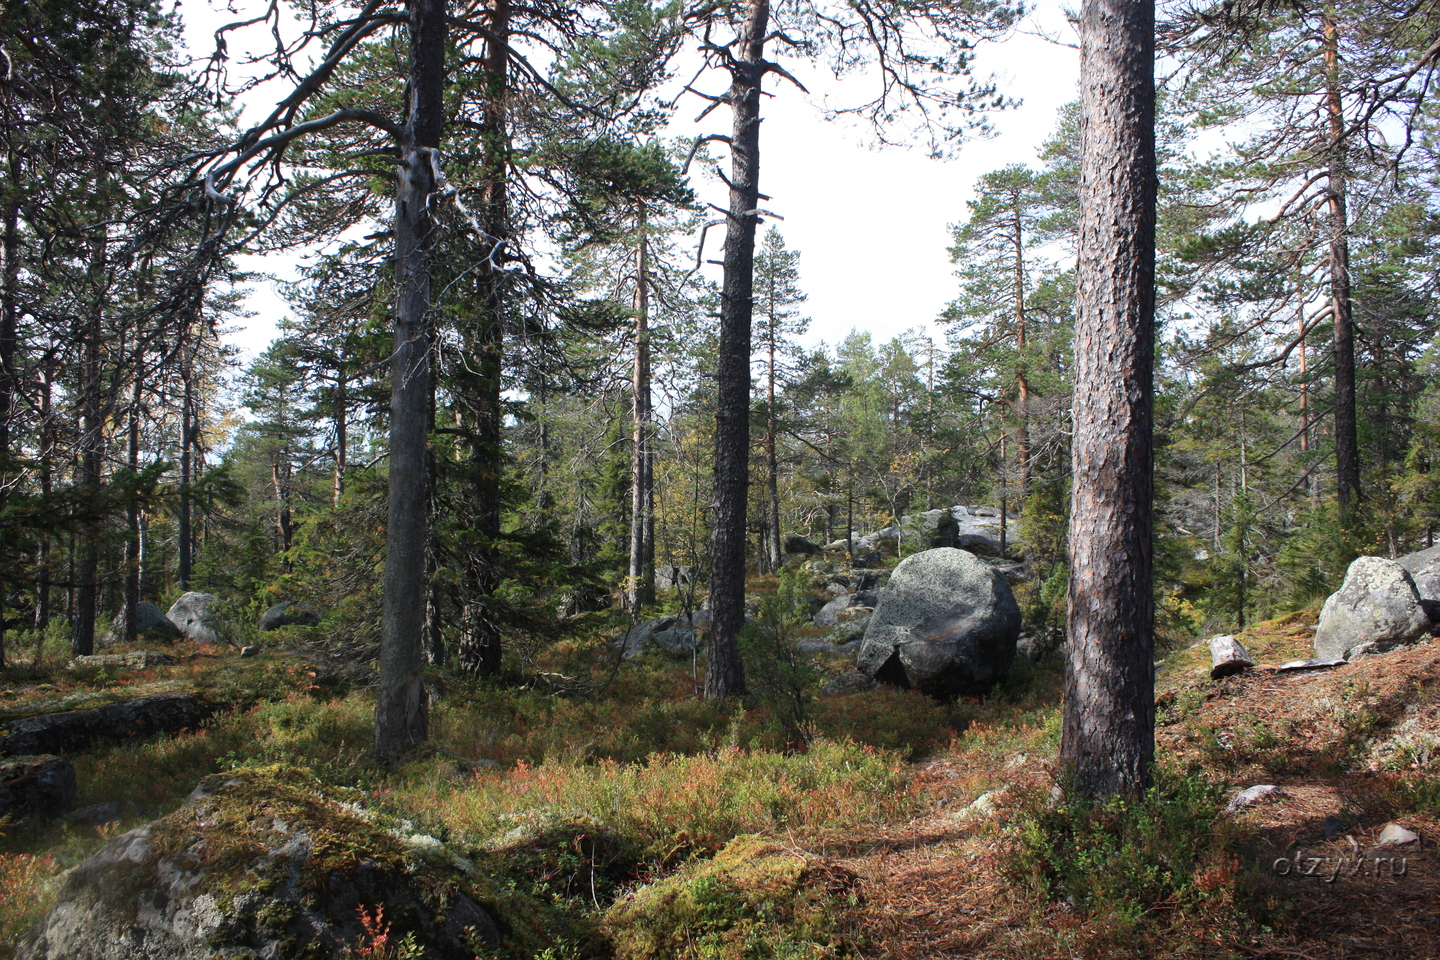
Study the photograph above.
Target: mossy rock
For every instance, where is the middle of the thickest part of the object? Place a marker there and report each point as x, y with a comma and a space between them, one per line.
754, 901
257, 863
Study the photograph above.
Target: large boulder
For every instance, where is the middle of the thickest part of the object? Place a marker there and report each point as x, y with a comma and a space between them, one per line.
257, 864
151, 623
678, 634
947, 624
795, 543
672, 577
287, 614
195, 613
1375, 610
109, 723
42, 786
1424, 568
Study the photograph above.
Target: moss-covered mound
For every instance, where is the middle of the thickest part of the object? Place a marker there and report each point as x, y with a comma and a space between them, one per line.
753, 901
257, 863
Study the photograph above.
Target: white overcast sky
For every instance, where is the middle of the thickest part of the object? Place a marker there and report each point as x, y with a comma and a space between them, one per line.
871, 225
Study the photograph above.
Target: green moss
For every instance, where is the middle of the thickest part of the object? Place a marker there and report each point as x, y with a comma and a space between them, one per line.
753, 901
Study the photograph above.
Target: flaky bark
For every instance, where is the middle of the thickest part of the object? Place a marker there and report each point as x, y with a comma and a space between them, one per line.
1109, 716
402, 708
725, 675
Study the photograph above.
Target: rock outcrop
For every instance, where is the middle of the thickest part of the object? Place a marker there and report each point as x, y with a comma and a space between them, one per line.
109, 723
1377, 609
256, 864
947, 624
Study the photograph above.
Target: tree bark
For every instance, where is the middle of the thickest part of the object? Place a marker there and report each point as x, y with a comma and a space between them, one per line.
91, 455
640, 587
479, 647
402, 707
187, 443
1108, 736
725, 675
1347, 445
772, 461
132, 514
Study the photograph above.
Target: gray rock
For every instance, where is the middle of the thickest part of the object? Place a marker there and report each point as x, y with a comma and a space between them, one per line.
151, 623
816, 647
134, 660
947, 624
868, 561
109, 723
671, 577
287, 614
798, 544
848, 630
980, 544
852, 681
1378, 604
36, 787
194, 614
829, 615
675, 634
1261, 793
1228, 657
1394, 835
1424, 568
293, 870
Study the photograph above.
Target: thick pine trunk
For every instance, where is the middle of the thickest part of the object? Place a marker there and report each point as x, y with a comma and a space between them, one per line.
479, 646
725, 675
1022, 383
91, 457
402, 709
1108, 736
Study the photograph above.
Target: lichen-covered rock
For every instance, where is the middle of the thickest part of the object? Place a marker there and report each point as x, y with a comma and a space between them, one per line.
289, 614
194, 613
1377, 609
36, 787
109, 723
947, 625
257, 864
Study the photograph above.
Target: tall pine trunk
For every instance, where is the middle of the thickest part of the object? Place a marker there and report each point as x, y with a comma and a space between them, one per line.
479, 648
1347, 445
402, 709
9, 346
1108, 735
640, 588
725, 674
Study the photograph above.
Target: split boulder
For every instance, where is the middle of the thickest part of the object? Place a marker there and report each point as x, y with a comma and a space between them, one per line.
947, 624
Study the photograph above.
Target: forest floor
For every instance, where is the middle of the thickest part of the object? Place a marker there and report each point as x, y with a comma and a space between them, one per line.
920, 829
